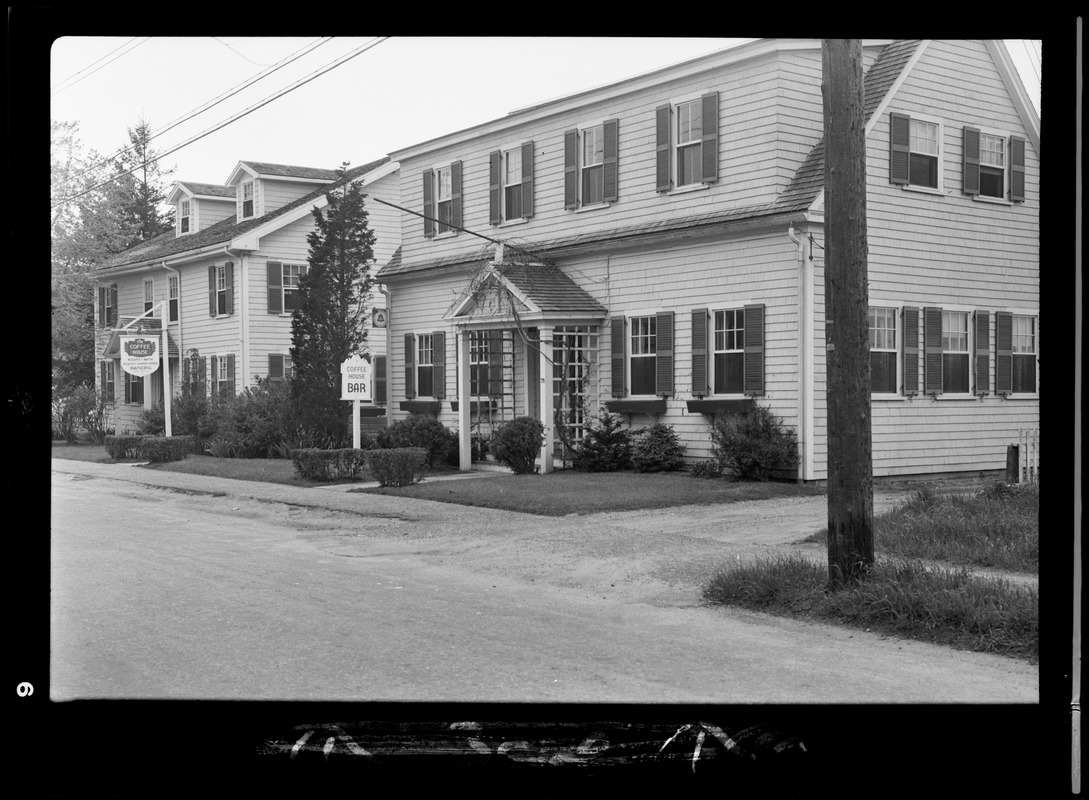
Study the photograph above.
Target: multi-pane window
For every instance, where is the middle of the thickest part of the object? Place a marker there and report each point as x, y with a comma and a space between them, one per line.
883, 350
689, 139
149, 295
992, 165
222, 290
108, 317
183, 213
955, 354
108, 387
222, 376
512, 184
247, 199
425, 361
479, 361
291, 275
173, 299
644, 350
593, 165
1024, 354
443, 198
923, 158
729, 353
135, 389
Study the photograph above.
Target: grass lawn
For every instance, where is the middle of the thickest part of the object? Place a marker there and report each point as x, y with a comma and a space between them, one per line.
565, 492
997, 528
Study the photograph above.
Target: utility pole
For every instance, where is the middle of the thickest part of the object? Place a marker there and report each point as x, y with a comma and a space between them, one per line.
846, 301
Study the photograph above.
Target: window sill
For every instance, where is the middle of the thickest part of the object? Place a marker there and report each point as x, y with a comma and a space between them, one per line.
907, 187
446, 235
507, 223
996, 201
888, 397
692, 187
1019, 396
720, 406
949, 397
652, 407
594, 207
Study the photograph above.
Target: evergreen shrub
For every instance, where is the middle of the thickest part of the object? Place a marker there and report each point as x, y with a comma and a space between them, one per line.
397, 466
657, 449
753, 445
150, 448
517, 444
341, 464
422, 430
606, 446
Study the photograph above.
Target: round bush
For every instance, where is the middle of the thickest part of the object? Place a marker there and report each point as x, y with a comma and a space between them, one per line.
421, 430
517, 444
657, 449
606, 446
753, 445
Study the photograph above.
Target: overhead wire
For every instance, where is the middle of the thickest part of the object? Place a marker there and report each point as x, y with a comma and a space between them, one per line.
327, 68
92, 72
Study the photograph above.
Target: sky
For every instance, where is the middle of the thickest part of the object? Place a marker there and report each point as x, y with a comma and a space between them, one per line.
351, 99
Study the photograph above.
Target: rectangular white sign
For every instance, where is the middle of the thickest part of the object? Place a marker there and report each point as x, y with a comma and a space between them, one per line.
355, 380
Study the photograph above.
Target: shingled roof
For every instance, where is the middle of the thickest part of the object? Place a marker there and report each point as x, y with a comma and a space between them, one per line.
210, 189
288, 171
169, 245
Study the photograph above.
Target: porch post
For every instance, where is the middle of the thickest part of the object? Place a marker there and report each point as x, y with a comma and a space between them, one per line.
546, 397
465, 457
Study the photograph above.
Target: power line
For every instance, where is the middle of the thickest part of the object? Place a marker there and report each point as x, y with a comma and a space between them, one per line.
235, 118
92, 72
225, 96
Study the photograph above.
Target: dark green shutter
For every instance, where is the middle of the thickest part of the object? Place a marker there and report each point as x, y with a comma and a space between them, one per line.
380, 380
754, 380
102, 306
230, 375
911, 350
710, 137
527, 180
1003, 352
617, 346
438, 361
495, 186
983, 352
275, 367
1017, 169
203, 377
899, 148
410, 366
103, 382
932, 350
610, 161
429, 202
128, 386
662, 154
213, 363
455, 194
970, 169
495, 363
699, 352
230, 287
275, 272
663, 361
571, 170
111, 318
212, 291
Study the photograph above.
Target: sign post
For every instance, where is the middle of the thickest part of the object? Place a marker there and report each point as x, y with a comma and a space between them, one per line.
355, 385
141, 354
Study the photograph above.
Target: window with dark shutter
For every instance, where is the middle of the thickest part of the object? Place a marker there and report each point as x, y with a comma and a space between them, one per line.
213, 374
381, 382
570, 170
617, 357
410, 366
111, 317
663, 382
611, 179
495, 164
527, 180
662, 152
455, 195
212, 291
911, 351
275, 272
754, 350
1003, 352
230, 375
983, 352
932, 350
275, 367
1017, 169
429, 202
699, 352
899, 148
710, 137
970, 168
438, 364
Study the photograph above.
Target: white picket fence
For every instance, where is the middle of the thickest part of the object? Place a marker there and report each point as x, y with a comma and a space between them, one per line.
1028, 455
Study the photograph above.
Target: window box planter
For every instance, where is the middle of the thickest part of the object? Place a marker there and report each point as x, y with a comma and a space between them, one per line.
652, 407
372, 411
422, 406
714, 407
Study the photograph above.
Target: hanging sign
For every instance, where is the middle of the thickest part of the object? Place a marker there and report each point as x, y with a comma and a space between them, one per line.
355, 379
140, 355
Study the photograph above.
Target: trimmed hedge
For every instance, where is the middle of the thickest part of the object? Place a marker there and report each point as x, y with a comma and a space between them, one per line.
316, 464
150, 448
398, 466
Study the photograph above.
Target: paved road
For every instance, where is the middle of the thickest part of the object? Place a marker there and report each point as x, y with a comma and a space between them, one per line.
204, 588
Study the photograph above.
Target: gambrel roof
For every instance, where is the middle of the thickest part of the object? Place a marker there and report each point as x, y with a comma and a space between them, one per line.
168, 245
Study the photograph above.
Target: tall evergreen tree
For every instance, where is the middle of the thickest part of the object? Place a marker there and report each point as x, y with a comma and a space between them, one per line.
140, 175
329, 322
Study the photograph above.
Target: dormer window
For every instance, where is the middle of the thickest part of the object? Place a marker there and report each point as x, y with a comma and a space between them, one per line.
247, 199
183, 214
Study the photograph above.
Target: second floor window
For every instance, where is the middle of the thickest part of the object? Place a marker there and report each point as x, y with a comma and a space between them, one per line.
149, 295
443, 199
291, 273
247, 199
593, 165
512, 184
221, 289
689, 143
914, 151
173, 288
